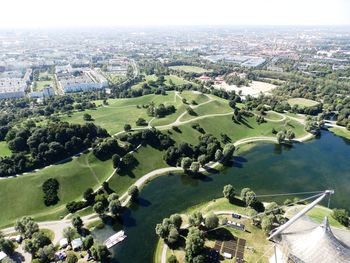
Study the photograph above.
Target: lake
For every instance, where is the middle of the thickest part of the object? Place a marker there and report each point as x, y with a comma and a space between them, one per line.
320, 164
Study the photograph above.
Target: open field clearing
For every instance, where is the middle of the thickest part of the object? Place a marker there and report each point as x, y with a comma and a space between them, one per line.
190, 69
254, 89
4, 149
302, 102
74, 178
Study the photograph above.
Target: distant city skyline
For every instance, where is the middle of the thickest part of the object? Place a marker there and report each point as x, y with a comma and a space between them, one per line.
80, 13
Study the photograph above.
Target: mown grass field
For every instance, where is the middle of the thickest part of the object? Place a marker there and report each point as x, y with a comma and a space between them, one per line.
118, 112
175, 80
4, 149
74, 178
191, 69
301, 102
235, 131
42, 83
149, 159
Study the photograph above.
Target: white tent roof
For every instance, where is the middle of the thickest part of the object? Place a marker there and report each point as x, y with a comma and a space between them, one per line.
316, 244
2, 255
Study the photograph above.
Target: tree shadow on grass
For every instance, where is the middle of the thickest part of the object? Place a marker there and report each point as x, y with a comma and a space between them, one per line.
221, 234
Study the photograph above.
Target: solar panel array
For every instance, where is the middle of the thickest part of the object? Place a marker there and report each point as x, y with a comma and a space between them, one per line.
236, 249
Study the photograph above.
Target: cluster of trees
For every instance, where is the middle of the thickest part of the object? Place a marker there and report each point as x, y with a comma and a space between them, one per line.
160, 111
194, 248
313, 125
285, 135
169, 229
39, 146
191, 158
104, 149
341, 215
236, 80
50, 188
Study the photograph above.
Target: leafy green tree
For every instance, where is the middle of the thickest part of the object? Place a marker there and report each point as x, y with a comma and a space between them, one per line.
176, 220
116, 160
7, 246
115, 207
26, 227
127, 127
172, 259
228, 152
186, 163
133, 192
87, 117
89, 195
88, 242
46, 254
281, 136
195, 167
211, 221
77, 222
195, 219
69, 233
99, 208
173, 235
267, 223
229, 192
341, 215
218, 155
71, 257
100, 253
194, 244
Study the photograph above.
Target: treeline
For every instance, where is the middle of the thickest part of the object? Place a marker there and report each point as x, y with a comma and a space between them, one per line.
40, 146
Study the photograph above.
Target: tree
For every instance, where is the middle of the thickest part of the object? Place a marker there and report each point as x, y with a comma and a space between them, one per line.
50, 188
87, 117
341, 215
250, 199
194, 244
173, 235
100, 253
127, 127
176, 220
141, 122
195, 219
71, 257
186, 163
290, 135
281, 136
88, 242
133, 192
69, 233
218, 155
267, 223
172, 259
228, 152
7, 246
195, 167
89, 195
229, 192
99, 208
116, 160
202, 159
211, 221
115, 207
77, 222
26, 227
46, 254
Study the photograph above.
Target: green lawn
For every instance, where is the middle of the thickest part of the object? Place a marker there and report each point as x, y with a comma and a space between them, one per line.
118, 112
302, 102
224, 124
213, 107
271, 115
191, 69
194, 96
177, 81
42, 83
341, 132
4, 149
318, 214
149, 159
74, 178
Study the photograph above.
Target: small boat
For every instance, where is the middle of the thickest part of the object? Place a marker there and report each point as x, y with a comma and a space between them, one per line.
115, 239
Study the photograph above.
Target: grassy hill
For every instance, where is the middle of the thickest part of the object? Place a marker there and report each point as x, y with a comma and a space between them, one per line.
191, 69
301, 102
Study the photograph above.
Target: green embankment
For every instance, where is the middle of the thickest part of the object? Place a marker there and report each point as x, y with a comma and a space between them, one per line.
341, 132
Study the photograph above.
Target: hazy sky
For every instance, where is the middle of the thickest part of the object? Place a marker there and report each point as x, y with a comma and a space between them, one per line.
77, 13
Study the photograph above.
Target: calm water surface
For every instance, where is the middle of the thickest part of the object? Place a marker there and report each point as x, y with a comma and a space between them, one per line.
323, 163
